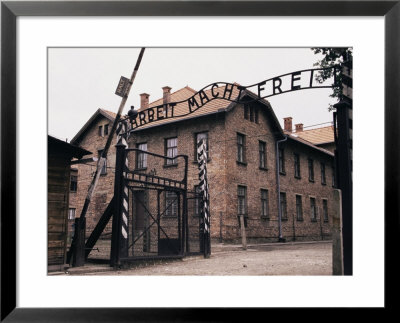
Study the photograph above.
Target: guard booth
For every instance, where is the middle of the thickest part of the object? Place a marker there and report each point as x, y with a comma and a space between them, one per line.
150, 220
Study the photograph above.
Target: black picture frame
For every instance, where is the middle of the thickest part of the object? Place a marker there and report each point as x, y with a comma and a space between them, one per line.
10, 10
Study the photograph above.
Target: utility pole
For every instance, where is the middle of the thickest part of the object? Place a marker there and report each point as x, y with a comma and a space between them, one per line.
123, 90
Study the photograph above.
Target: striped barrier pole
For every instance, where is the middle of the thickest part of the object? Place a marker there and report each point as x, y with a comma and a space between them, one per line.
120, 224
203, 185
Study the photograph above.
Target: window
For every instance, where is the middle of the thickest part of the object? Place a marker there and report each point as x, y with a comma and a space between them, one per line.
104, 168
242, 207
241, 148
325, 210
283, 205
171, 150
106, 130
299, 208
141, 157
74, 181
199, 136
264, 204
246, 111
313, 209
101, 131
323, 177
71, 214
250, 113
255, 115
171, 203
310, 170
262, 153
281, 161
297, 165
242, 204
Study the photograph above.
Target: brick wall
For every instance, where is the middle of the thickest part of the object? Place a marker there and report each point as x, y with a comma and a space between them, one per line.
307, 229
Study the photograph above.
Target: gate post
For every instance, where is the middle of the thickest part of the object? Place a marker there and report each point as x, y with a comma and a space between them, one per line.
119, 237
202, 158
344, 167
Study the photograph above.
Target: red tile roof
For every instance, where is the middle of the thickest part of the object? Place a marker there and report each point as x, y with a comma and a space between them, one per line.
112, 115
317, 136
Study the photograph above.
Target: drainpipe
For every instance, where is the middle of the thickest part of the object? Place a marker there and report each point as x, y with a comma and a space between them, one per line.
278, 190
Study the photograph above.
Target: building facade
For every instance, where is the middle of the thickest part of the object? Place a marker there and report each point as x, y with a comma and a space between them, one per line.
246, 165
242, 168
93, 137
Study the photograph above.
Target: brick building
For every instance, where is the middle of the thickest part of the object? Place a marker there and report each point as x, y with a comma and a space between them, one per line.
242, 167
93, 137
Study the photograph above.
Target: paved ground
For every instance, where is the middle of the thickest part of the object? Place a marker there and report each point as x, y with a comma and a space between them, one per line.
301, 258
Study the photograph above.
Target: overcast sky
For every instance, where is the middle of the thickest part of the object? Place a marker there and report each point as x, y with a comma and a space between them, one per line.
82, 80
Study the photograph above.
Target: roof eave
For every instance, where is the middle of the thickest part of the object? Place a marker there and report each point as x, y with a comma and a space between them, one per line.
311, 145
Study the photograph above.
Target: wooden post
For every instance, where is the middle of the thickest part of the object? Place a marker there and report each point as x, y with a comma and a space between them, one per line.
79, 252
243, 232
337, 242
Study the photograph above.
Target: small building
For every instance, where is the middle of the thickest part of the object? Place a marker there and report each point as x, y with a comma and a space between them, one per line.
60, 154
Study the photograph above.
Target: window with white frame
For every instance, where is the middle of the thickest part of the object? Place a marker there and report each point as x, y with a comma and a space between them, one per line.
71, 213
262, 152
141, 156
171, 150
171, 203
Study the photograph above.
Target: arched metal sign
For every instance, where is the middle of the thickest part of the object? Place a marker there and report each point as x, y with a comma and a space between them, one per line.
289, 82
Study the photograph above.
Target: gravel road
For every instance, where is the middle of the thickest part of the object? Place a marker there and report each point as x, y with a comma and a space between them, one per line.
307, 258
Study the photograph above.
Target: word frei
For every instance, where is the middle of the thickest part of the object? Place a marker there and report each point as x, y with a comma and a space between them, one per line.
295, 81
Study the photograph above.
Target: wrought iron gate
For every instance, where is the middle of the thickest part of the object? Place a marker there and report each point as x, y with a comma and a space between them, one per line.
151, 213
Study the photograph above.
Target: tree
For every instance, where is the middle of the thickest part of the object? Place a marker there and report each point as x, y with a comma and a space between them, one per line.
332, 56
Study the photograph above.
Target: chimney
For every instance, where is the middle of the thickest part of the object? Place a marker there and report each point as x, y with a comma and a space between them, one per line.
299, 127
288, 124
166, 94
144, 100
